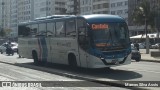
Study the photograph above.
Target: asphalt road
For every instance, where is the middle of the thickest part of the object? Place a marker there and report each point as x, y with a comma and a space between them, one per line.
137, 71
141, 71
15, 73
11, 72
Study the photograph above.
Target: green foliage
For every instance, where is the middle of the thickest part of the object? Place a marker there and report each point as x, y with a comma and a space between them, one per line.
144, 11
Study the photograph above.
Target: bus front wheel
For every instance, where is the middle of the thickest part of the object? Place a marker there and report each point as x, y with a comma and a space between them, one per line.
72, 61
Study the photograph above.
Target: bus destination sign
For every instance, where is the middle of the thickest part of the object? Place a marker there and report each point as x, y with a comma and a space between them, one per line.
99, 26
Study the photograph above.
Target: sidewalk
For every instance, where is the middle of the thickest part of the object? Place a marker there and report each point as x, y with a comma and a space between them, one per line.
147, 57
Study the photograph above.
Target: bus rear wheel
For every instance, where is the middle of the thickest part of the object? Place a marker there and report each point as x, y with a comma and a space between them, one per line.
72, 61
36, 61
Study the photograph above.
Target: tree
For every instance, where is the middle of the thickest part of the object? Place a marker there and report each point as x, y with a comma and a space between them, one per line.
144, 14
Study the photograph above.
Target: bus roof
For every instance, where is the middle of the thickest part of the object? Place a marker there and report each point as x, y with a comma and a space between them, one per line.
46, 19
53, 17
95, 18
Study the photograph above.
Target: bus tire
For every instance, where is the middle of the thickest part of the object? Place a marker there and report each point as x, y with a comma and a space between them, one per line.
72, 61
138, 59
35, 57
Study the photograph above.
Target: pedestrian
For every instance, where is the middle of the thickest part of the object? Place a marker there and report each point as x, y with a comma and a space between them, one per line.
136, 45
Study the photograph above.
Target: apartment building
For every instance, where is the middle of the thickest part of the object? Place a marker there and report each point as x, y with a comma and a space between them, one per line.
20, 11
43, 8
5, 14
85, 7
25, 10
14, 18
100, 6
73, 6
119, 7
58, 7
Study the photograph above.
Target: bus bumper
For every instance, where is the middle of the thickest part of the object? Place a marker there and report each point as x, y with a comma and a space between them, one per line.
95, 62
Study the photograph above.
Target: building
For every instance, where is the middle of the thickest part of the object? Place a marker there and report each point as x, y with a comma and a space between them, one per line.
43, 8
14, 17
100, 7
58, 7
20, 11
73, 7
25, 10
5, 14
119, 7
85, 7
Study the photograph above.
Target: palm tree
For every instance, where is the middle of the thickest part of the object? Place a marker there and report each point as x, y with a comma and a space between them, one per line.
144, 14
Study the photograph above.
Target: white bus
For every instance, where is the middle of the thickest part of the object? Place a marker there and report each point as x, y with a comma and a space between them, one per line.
89, 41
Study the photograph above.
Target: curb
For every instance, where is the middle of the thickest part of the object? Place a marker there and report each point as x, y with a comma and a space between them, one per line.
150, 60
107, 83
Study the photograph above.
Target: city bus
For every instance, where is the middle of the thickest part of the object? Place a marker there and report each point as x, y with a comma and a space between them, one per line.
88, 41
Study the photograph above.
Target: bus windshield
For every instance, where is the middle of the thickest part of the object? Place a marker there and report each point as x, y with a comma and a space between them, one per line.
110, 36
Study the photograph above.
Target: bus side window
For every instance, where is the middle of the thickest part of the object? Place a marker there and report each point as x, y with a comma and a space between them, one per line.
27, 30
21, 30
70, 28
81, 27
34, 30
60, 32
82, 34
51, 29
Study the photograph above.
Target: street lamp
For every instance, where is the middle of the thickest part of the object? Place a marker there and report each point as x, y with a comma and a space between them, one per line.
146, 33
147, 37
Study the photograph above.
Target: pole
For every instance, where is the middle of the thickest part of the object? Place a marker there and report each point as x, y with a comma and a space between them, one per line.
147, 37
3, 14
76, 7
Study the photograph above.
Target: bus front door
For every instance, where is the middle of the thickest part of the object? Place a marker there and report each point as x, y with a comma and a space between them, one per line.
83, 46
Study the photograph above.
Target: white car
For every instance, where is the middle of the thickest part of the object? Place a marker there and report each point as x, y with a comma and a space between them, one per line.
14, 47
156, 46
141, 45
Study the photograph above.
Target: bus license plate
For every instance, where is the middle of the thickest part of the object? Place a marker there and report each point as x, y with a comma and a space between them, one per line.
115, 61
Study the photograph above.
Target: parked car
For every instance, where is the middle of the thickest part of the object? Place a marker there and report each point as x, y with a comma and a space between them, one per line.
155, 46
14, 47
3, 48
135, 54
142, 45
